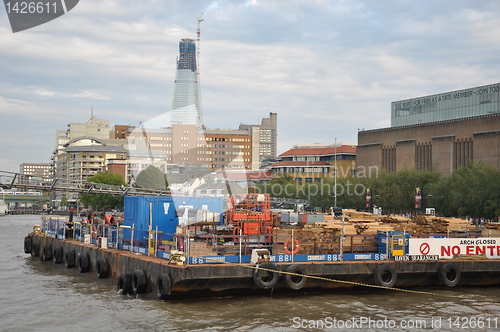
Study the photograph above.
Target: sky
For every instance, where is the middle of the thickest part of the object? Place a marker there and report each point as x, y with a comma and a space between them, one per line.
327, 68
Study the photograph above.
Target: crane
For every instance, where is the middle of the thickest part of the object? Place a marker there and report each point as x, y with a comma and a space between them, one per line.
198, 33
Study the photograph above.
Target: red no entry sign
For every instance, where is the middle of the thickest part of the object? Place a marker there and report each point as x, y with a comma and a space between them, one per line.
425, 248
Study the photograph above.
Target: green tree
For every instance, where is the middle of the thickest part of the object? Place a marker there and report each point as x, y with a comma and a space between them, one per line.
475, 191
107, 178
64, 201
104, 201
152, 178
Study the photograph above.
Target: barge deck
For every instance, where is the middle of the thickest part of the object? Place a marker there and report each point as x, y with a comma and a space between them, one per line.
155, 277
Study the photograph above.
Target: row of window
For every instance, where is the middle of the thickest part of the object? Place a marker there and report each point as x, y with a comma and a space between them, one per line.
301, 170
308, 179
318, 158
226, 139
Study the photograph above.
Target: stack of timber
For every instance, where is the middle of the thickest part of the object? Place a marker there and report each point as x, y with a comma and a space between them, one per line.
312, 239
366, 217
492, 225
423, 224
457, 224
323, 237
352, 215
393, 219
198, 249
491, 229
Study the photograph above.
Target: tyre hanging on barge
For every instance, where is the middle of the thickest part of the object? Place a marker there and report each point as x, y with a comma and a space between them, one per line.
70, 258
83, 263
385, 275
124, 284
163, 286
266, 275
449, 274
294, 281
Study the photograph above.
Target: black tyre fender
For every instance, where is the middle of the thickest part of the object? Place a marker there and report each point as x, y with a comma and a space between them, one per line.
294, 281
69, 257
449, 274
125, 284
27, 244
385, 275
47, 253
57, 255
139, 282
266, 279
163, 286
102, 268
83, 263
35, 252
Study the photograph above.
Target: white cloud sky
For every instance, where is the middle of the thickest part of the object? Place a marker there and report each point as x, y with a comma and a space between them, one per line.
326, 67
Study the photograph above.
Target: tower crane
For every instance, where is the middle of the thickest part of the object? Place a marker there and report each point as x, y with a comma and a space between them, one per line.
198, 33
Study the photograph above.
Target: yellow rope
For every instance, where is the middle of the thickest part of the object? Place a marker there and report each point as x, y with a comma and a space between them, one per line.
350, 282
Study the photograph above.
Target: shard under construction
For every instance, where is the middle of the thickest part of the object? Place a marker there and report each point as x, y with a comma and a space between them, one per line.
186, 106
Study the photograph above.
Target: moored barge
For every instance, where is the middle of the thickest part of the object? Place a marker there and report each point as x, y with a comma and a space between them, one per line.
175, 267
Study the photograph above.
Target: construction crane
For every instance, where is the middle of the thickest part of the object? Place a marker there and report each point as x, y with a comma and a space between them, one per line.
198, 33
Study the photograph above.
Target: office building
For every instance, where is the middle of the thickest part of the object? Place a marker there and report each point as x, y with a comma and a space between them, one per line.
266, 136
39, 171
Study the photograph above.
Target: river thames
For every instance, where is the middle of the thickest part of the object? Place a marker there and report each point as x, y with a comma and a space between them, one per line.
36, 297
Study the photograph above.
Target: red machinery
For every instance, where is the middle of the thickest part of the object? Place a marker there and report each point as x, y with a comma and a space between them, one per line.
251, 213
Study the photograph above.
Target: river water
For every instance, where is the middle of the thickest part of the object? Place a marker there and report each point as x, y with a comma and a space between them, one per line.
36, 297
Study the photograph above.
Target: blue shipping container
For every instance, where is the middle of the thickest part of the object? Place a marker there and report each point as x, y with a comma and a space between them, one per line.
137, 214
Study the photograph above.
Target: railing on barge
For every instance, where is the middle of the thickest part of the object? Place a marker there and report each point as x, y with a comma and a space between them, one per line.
214, 248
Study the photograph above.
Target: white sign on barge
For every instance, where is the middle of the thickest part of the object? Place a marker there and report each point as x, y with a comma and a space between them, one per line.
447, 248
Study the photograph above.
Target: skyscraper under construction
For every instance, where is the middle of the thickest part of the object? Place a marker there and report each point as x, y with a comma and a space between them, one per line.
186, 106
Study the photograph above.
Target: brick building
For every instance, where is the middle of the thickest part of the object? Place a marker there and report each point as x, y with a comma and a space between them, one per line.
440, 132
440, 146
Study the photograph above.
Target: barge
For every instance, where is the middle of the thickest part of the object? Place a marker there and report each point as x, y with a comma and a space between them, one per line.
175, 267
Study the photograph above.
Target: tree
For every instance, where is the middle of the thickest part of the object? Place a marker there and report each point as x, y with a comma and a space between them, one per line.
64, 201
475, 191
152, 178
104, 201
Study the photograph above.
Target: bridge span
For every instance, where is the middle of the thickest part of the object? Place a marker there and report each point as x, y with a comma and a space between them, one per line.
28, 183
